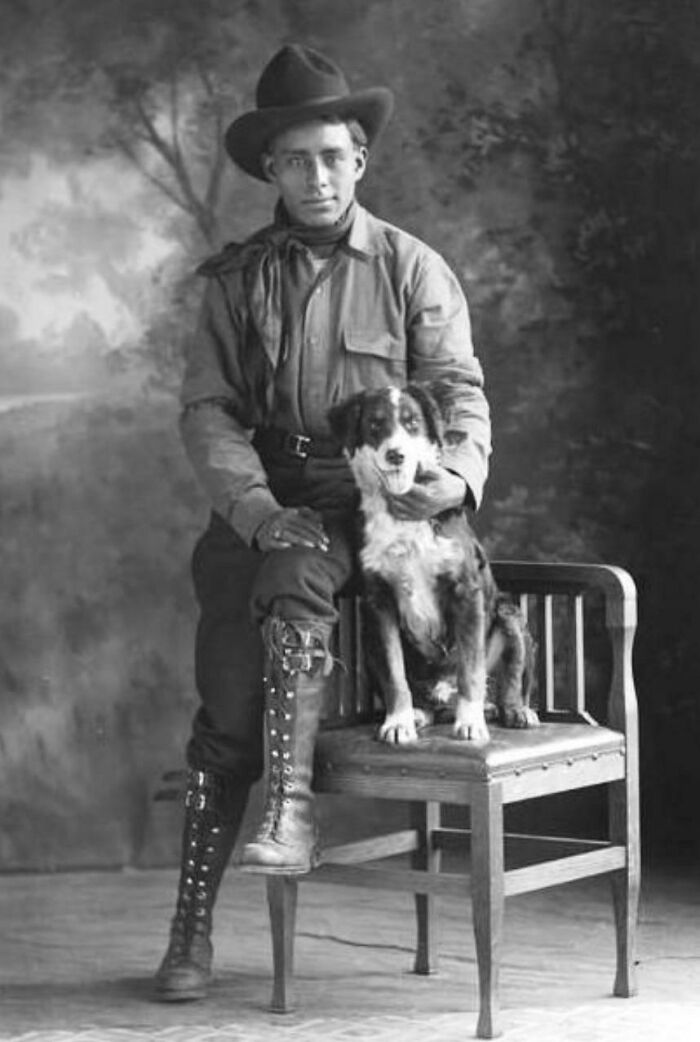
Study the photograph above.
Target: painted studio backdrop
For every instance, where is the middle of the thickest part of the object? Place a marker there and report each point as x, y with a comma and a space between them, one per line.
548, 148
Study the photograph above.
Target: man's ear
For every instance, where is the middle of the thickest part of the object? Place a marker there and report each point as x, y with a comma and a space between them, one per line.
361, 156
267, 162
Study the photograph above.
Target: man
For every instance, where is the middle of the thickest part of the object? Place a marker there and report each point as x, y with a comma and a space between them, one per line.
326, 301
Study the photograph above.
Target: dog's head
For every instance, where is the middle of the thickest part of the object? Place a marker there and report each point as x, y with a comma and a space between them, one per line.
389, 435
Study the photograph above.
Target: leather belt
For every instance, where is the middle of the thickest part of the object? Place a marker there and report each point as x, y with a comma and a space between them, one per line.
273, 441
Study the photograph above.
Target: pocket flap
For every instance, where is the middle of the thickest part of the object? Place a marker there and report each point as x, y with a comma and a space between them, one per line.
369, 342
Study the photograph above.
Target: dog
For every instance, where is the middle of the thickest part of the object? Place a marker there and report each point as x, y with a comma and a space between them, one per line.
438, 631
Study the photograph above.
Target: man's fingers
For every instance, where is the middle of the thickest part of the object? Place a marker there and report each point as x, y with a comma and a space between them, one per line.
299, 530
414, 505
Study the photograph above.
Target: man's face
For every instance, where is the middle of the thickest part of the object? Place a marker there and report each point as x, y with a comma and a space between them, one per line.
315, 168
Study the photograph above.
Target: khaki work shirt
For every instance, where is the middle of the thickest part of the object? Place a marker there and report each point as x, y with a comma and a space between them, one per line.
383, 310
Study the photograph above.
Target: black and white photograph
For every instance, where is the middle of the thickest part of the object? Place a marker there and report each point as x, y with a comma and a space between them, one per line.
349, 520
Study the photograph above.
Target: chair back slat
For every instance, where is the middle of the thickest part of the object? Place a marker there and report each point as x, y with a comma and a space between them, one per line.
349, 698
364, 696
576, 651
544, 630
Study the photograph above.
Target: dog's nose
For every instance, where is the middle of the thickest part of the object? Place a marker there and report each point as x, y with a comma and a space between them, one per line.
395, 457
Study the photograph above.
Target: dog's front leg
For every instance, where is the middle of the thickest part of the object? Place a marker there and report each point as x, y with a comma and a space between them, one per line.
399, 726
470, 722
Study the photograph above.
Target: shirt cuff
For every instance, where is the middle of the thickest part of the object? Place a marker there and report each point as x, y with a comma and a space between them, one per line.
469, 497
249, 512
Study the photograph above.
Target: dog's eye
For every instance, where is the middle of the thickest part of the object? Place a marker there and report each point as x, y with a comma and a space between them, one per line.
411, 424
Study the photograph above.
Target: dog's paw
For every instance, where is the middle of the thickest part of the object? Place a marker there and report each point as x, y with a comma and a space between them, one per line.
470, 724
490, 712
519, 717
422, 718
398, 729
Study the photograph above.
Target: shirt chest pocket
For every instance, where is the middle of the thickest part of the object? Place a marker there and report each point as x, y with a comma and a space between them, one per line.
372, 359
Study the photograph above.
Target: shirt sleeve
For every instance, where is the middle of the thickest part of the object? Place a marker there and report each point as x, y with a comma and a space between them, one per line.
214, 417
440, 351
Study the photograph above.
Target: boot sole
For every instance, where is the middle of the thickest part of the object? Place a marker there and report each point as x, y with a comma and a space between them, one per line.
183, 995
276, 870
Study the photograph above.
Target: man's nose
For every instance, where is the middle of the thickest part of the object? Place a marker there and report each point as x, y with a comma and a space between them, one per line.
394, 457
316, 173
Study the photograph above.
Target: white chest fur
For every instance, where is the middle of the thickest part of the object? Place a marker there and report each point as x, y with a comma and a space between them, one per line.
409, 555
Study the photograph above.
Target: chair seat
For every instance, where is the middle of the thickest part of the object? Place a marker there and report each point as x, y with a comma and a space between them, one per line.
354, 752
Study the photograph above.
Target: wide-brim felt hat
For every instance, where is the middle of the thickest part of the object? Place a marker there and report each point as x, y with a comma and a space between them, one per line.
299, 85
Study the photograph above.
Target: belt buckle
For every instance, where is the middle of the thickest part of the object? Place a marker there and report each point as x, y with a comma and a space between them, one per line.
298, 445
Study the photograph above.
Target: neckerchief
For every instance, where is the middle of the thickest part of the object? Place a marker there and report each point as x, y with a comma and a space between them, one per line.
269, 273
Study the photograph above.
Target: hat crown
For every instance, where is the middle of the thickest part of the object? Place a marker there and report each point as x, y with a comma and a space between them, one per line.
299, 75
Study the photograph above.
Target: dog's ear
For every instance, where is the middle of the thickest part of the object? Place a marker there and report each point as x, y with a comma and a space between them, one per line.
344, 420
423, 396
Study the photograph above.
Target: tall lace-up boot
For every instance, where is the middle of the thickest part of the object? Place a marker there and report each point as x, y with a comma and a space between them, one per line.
214, 808
297, 666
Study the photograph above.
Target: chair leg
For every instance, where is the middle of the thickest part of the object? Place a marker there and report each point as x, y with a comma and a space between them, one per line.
282, 904
424, 818
488, 900
624, 829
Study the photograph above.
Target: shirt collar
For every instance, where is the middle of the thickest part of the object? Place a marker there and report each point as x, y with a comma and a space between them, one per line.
363, 238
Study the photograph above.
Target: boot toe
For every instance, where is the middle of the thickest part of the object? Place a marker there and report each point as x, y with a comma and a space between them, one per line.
277, 858
183, 982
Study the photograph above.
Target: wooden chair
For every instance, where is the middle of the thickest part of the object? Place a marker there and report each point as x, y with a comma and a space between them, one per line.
569, 751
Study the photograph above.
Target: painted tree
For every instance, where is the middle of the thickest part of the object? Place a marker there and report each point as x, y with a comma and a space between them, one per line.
151, 80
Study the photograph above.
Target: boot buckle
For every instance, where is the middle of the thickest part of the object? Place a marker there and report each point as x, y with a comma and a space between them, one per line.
297, 661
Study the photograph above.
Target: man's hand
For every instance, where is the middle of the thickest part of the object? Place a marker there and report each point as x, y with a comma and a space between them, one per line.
435, 491
292, 527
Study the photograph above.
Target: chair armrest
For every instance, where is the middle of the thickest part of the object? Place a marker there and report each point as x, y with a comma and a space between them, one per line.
538, 577
620, 595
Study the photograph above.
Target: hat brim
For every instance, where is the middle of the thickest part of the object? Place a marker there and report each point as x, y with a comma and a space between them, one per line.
249, 135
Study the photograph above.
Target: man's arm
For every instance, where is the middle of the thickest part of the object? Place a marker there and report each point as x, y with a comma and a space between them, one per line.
213, 420
440, 351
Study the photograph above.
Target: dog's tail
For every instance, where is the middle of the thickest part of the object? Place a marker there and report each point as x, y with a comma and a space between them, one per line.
512, 619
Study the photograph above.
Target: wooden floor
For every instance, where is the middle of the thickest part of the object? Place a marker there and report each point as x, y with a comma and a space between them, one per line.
77, 952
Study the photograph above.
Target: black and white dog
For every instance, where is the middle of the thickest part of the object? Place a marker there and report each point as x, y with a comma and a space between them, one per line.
438, 627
